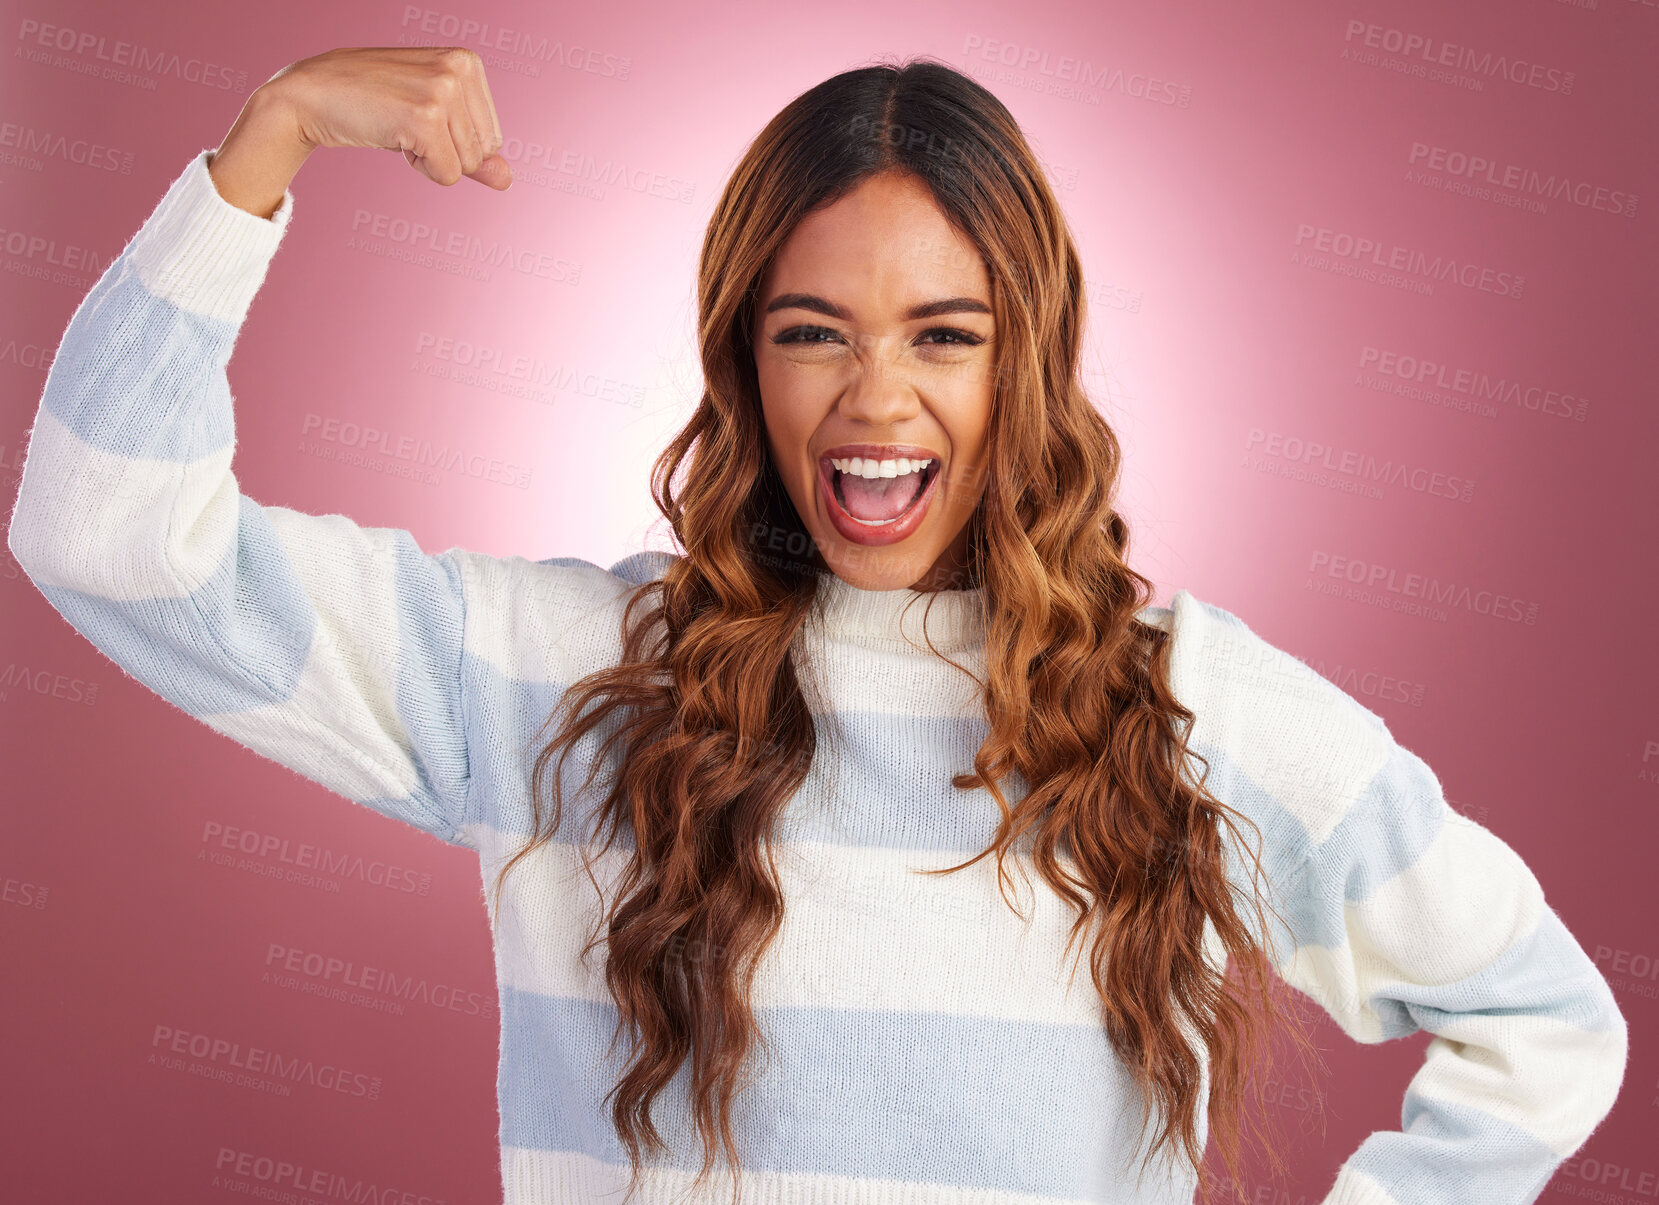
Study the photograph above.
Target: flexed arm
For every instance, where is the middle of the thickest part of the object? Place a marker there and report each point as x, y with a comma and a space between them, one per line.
432, 104
331, 648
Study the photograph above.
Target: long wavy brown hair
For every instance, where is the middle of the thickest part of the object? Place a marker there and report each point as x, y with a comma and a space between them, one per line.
705, 725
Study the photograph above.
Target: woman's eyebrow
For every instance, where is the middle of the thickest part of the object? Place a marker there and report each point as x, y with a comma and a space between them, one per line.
926, 309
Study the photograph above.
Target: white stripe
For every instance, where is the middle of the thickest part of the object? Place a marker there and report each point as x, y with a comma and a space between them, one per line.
858, 932
349, 576
1466, 899
1314, 748
355, 760
533, 1177
554, 623
120, 505
1434, 923
201, 253
887, 681
541, 623
1354, 1187
1540, 1074
1543, 1076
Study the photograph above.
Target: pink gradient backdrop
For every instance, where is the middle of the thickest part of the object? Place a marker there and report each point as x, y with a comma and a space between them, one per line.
1220, 357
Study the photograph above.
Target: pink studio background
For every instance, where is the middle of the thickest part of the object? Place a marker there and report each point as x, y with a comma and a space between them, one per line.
1260, 374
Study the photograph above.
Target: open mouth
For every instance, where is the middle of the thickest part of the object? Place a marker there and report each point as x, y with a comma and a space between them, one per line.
880, 501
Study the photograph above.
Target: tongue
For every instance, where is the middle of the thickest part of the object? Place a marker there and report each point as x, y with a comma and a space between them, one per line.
878, 498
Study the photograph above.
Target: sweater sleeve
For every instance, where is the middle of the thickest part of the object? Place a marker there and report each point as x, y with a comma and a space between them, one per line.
1403, 916
330, 648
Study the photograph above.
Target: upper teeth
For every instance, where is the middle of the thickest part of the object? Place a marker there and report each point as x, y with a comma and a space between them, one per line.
862, 467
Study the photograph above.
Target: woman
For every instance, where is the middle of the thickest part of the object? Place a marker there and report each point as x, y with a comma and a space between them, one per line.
895, 506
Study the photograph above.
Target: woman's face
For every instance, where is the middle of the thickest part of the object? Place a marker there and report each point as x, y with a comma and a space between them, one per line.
874, 341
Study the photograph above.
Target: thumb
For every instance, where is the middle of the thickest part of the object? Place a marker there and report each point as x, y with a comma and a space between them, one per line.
494, 171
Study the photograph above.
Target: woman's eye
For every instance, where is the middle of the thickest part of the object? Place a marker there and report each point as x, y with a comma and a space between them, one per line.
958, 336
798, 334
953, 336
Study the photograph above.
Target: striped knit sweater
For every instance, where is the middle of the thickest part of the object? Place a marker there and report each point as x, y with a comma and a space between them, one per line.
928, 1045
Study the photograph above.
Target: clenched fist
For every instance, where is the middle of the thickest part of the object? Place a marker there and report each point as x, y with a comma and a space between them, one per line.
431, 103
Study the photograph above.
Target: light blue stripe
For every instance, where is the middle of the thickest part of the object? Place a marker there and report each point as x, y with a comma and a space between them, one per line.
497, 704
885, 775
886, 786
430, 603
174, 360
1544, 974
1454, 1154
1278, 837
886, 783
241, 642
1385, 831
930, 1097
181, 647
1395, 819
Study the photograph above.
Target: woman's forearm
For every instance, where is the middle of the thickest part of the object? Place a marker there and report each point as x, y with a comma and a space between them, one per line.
261, 154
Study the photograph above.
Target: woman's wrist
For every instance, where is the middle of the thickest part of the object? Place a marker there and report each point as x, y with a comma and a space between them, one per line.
260, 156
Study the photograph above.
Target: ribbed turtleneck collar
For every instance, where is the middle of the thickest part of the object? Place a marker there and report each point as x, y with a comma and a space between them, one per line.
955, 618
